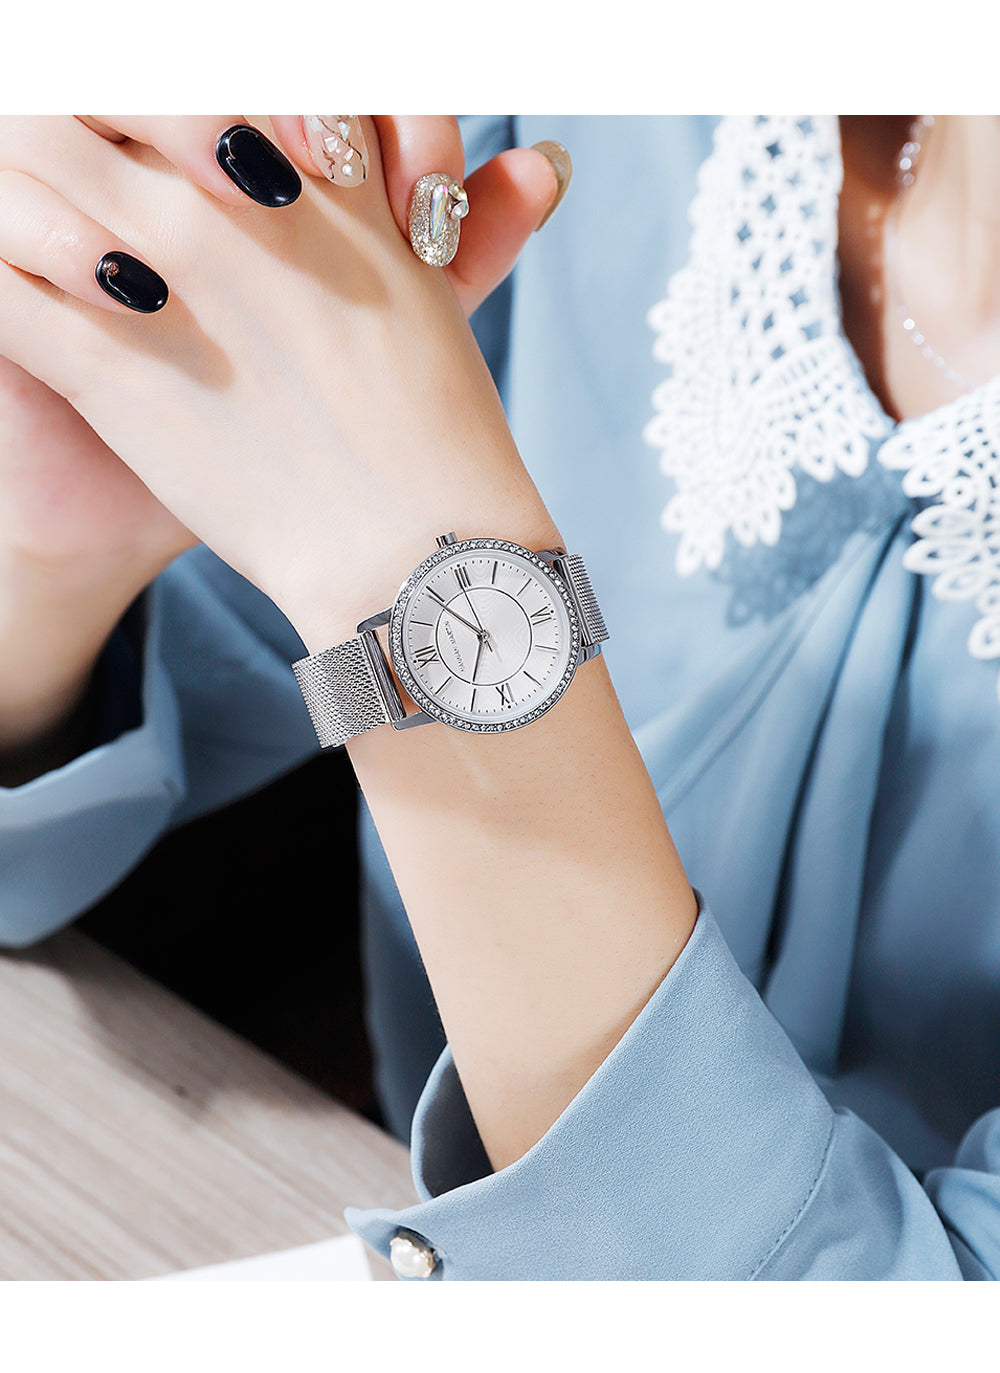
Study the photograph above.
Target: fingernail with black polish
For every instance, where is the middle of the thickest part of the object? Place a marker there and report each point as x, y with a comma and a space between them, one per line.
125, 279
257, 167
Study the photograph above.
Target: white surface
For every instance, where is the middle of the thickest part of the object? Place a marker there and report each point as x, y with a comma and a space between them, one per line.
336, 1260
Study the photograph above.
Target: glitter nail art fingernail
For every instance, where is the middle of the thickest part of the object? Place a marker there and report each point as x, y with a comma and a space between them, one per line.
337, 143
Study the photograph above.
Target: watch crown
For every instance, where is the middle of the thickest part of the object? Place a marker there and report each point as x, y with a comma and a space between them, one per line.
443, 540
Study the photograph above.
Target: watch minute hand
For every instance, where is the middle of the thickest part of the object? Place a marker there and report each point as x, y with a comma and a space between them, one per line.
478, 631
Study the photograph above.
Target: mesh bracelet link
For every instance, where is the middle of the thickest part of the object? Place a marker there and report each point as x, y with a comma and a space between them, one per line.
346, 690
594, 629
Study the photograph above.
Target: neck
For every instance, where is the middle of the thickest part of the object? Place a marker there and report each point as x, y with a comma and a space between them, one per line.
951, 213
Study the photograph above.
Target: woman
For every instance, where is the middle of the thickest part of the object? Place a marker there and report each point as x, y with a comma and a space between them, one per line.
619, 1068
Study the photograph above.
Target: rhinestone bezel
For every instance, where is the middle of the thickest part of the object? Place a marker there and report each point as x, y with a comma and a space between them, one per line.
413, 687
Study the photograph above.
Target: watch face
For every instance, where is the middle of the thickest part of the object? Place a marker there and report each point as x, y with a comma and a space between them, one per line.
484, 636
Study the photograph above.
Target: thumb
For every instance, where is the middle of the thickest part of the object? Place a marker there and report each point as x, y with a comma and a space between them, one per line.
510, 197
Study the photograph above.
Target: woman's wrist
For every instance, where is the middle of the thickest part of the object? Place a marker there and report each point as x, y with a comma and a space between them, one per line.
65, 735
55, 621
326, 598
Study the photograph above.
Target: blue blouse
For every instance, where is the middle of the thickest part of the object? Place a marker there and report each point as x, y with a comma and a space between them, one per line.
812, 1091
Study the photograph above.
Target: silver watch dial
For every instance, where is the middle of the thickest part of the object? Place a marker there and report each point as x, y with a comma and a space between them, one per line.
484, 636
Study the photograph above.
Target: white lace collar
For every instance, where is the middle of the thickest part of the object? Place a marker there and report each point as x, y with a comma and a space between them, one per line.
763, 382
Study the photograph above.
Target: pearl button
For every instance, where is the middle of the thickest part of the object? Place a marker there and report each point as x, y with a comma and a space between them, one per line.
410, 1256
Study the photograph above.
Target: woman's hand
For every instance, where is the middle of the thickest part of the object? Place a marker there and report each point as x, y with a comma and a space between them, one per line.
309, 401
513, 193
66, 498
80, 534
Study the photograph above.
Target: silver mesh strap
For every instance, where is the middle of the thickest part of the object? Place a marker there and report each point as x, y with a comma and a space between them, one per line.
594, 628
344, 690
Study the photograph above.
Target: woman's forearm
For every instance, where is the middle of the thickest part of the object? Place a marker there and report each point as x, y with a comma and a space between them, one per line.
544, 892
535, 865
54, 623
80, 537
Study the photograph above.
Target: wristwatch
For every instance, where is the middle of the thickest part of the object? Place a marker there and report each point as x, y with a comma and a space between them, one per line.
484, 636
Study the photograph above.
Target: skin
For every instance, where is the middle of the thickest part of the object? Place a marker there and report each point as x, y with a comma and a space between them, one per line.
80, 534
942, 240
272, 430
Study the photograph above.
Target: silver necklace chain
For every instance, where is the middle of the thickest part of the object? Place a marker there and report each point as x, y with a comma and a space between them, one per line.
906, 170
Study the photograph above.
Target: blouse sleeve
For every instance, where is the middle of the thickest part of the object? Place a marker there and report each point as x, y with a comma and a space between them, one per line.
700, 1149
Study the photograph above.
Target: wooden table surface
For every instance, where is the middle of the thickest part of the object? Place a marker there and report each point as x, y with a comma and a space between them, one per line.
138, 1137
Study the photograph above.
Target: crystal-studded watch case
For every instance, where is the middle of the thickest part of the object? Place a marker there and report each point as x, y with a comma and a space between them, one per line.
484, 635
